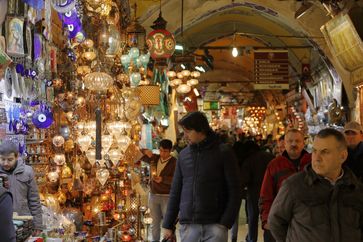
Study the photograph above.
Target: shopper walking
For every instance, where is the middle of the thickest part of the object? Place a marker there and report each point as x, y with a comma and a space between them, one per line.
206, 187
353, 133
323, 203
292, 160
22, 184
252, 173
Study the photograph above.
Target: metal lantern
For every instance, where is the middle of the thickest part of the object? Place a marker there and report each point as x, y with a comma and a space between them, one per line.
136, 35
149, 94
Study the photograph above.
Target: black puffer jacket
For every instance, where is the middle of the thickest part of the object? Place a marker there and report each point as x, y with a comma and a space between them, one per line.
206, 185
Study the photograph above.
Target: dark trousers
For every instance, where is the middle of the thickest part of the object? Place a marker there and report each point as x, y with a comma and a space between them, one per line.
267, 236
253, 213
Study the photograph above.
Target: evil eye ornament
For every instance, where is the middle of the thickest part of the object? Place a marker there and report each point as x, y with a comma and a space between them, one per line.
42, 119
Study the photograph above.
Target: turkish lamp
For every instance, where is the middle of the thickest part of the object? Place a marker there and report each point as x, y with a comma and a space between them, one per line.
179, 75
107, 141
98, 81
69, 116
114, 127
183, 88
125, 60
185, 73
89, 54
134, 53
136, 35
135, 79
80, 126
90, 128
138, 63
83, 70
88, 43
195, 74
145, 59
53, 176
193, 82
171, 74
177, 82
84, 142
58, 141
123, 142
91, 156
115, 155
59, 159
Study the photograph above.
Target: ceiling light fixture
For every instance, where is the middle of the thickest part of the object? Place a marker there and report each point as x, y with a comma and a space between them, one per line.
234, 52
305, 6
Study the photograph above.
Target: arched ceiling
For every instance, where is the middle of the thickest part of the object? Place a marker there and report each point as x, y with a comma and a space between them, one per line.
255, 23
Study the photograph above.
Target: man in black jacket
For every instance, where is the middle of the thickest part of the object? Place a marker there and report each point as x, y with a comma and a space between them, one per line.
7, 230
206, 187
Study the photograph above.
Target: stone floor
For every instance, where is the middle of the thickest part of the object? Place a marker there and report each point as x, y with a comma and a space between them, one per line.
242, 228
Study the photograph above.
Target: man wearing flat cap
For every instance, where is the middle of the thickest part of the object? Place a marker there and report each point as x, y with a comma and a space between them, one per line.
353, 133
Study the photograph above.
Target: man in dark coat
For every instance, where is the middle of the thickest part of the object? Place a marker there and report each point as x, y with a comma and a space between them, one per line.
7, 231
23, 186
353, 133
252, 173
206, 186
322, 203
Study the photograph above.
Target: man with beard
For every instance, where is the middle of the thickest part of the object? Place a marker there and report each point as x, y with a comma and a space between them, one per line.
292, 160
22, 184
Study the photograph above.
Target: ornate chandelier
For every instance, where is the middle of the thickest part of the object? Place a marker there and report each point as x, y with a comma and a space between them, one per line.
183, 81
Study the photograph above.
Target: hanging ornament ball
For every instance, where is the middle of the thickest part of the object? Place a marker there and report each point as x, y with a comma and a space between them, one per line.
66, 172
161, 44
58, 141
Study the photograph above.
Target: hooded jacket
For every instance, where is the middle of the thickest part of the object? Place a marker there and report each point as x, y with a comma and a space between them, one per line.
206, 187
308, 208
25, 194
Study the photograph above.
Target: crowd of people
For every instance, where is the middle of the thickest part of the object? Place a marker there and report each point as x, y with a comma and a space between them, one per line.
298, 196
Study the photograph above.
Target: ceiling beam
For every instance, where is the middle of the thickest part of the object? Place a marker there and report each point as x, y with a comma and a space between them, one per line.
228, 47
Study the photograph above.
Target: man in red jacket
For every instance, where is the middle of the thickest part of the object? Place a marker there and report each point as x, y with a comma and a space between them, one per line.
292, 160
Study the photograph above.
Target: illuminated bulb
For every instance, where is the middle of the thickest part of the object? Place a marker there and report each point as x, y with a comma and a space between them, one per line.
171, 74
234, 52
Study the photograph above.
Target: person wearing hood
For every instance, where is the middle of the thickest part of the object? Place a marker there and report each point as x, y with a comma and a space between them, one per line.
206, 188
22, 184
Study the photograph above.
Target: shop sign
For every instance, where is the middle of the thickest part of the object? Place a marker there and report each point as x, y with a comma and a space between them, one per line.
271, 70
210, 105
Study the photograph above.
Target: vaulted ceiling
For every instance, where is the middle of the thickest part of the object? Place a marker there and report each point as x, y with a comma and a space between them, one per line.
219, 24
